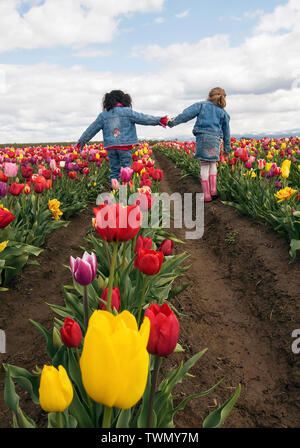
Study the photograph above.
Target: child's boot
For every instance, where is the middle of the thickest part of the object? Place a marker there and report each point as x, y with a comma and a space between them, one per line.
213, 186
206, 190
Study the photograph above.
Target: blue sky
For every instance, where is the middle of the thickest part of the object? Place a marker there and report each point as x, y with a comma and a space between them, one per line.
202, 19
57, 60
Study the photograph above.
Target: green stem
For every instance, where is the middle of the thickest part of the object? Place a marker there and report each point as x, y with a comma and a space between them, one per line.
106, 422
107, 253
145, 283
111, 275
85, 307
59, 420
157, 364
77, 354
124, 256
134, 243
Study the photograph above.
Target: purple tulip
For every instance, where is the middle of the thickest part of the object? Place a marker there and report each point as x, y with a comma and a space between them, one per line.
11, 169
84, 269
3, 189
126, 174
278, 185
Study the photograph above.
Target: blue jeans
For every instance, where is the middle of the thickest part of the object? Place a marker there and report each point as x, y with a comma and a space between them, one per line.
118, 158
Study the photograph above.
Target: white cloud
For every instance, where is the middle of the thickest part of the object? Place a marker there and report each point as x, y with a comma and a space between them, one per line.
159, 20
69, 22
183, 14
92, 53
261, 77
246, 15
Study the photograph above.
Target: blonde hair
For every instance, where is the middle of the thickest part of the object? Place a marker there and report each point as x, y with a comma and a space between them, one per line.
218, 97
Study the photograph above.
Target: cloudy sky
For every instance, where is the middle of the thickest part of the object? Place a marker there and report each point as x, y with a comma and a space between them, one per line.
59, 57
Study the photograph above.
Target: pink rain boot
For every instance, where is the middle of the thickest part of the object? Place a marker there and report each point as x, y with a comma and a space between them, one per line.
213, 186
206, 190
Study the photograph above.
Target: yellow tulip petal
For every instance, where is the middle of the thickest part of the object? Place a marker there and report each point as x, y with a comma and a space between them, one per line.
98, 363
145, 331
128, 319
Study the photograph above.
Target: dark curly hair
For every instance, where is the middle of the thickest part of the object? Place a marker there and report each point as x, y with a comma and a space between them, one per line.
114, 97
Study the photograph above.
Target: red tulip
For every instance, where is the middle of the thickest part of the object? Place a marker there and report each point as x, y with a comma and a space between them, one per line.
137, 167
145, 201
16, 189
26, 171
117, 223
164, 329
144, 242
3, 177
39, 184
156, 174
115, 299
166, 247
72, 174
47, 174
149, 262
6, 217
71, 334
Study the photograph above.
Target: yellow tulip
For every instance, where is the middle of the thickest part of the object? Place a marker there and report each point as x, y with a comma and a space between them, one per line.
285, 169
56, 390
268, 167
114, 362
3, 245
284, 194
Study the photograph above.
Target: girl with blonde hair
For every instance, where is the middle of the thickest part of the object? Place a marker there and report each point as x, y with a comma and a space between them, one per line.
211, 126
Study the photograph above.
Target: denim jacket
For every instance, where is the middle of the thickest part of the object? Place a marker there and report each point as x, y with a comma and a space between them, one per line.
211, 119
118, 126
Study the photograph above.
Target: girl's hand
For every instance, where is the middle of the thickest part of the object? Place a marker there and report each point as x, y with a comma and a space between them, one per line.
164, 121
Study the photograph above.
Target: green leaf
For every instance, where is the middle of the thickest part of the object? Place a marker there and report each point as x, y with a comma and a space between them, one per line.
294, 246
51, 350
124, 419
217, 417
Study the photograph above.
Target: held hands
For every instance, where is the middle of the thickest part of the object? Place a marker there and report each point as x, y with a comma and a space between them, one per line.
165, 121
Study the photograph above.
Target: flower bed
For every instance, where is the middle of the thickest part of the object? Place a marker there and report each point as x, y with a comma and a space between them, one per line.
261, 179
41, 188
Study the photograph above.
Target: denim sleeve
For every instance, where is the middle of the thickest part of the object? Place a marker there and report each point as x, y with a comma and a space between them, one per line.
226, 134
144, 119
188, 114
91, 131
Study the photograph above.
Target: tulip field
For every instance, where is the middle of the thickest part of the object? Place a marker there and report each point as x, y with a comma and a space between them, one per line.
261, 178
120, 344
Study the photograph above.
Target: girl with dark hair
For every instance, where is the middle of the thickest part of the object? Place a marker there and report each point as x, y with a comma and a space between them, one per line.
117, 121
211, 126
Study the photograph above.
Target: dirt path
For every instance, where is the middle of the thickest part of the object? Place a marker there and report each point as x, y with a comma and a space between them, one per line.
242, 304
25, 346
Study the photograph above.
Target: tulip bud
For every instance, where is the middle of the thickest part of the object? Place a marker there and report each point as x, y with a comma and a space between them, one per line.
56, 338
114, 362
115, 299
149, 262
164, 329
101, 283
84, 269
166, 247
56, 390
71, 333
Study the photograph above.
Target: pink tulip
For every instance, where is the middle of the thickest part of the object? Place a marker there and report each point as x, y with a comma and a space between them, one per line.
261, 164
10, 169
114, 184
52, 164
126, 174
84, 269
